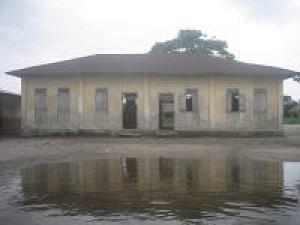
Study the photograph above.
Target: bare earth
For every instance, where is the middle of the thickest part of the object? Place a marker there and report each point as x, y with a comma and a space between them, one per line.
16, 152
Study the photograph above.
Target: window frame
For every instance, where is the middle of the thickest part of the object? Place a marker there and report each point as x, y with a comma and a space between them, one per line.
260, 91
191, 100
38, 109
63, 110
235, 107
104, 108
241, 107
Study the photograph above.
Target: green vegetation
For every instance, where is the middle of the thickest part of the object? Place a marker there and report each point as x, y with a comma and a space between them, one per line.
291, 110
292, 120
193, 41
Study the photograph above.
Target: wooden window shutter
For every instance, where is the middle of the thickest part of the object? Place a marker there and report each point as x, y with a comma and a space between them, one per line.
101, 100
41, 107
264, 101
256, 103
182, 105
63, 105
260, 100
105, 101
228, 100
242, 103
195, 100
41, 98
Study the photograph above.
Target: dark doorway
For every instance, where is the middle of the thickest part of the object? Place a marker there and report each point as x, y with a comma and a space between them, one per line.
129, 111
166, 111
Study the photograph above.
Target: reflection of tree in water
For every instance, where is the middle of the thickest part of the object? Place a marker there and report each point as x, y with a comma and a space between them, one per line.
183, 188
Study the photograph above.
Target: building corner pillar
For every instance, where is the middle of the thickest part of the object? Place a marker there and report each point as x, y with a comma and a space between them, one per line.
146, 102
212, 96
80, 103
280, 104
23, 105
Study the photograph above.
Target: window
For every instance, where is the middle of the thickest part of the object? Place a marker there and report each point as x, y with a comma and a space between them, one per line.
190, 100
101, 100
260, 100
41, 107
236, 102
63, 105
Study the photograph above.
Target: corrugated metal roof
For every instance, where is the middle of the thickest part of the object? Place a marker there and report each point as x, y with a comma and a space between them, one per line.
177, 63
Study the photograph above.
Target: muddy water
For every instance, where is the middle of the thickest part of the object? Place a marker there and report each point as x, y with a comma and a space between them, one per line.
225, 189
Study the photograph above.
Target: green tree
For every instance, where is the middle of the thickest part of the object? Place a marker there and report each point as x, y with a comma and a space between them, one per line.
297, 78
193, 41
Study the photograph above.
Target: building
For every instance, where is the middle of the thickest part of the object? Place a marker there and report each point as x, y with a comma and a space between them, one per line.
152, 92
10, 112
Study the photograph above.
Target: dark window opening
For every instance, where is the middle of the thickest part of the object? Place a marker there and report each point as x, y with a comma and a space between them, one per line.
166, 111
129, 110
189, 102
235, 101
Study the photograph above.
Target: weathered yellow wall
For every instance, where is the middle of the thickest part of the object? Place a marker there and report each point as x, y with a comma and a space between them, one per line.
52, 84
211, 100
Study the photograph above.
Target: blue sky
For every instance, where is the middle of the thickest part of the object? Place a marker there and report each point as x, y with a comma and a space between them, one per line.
36, 31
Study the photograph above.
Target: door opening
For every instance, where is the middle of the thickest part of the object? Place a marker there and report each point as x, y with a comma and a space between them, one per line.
166, 111
129, 110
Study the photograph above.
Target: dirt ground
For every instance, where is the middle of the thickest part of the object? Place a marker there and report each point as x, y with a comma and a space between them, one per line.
17, 152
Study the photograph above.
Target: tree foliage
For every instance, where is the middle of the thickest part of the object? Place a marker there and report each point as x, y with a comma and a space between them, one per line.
288, 106
297, 78
193, 41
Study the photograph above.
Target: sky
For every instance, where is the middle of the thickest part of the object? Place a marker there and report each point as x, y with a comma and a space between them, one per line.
34, 32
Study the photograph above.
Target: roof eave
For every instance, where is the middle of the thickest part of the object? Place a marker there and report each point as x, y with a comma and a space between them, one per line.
292, 75
20, 74
14, 73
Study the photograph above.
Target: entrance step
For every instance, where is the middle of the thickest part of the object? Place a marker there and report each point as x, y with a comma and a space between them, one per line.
166, 133
129, 134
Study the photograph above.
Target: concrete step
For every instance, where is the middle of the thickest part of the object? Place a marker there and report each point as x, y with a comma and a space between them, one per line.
129, 134
166, 133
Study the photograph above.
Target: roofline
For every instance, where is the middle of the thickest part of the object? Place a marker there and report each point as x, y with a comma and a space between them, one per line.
12, 73
20, 72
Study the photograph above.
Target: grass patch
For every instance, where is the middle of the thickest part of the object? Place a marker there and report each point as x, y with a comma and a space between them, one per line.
292, 120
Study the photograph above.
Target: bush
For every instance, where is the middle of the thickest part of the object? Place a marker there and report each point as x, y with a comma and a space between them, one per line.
292, 120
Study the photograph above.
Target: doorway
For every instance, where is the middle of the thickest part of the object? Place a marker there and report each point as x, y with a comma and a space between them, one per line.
166, 111
129, 110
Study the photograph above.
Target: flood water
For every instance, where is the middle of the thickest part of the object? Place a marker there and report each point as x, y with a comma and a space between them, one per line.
225, 189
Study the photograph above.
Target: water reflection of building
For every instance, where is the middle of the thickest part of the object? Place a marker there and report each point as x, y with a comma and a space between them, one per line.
182, 182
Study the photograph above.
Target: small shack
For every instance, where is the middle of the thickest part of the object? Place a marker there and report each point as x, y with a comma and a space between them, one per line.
10, 112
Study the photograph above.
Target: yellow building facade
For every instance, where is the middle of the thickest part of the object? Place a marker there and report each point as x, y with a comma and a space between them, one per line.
211, 114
